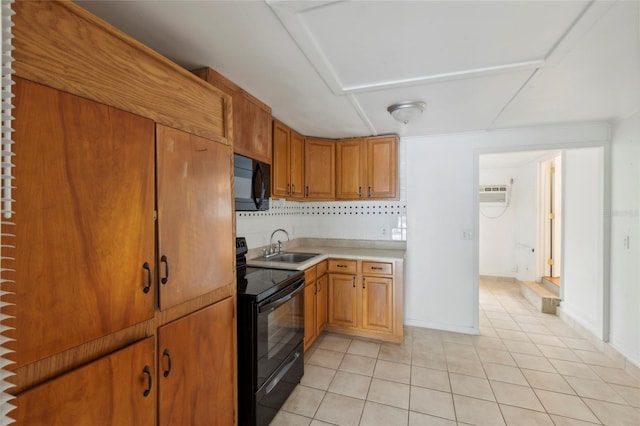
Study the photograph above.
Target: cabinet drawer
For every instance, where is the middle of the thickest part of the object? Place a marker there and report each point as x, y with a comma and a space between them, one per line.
343, 266
322, 268
377, 268
310, 275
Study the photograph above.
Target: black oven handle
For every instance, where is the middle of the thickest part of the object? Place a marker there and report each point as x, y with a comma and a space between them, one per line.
299, 287
257, 201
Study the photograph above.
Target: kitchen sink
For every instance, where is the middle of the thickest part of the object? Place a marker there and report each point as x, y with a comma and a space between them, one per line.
287, 257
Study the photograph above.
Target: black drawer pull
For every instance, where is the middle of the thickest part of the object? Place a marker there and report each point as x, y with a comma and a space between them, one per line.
147, 370
354, 282
166, 372
147, 287
377, 268
341, 266
164, 260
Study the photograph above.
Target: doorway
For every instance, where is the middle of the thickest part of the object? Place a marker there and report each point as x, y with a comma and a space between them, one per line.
551, 221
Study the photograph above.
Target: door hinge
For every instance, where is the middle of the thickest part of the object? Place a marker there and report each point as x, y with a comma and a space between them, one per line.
550, 216
549, 261
155, 215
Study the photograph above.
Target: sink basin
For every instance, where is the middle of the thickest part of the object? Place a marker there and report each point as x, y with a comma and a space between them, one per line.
287, 257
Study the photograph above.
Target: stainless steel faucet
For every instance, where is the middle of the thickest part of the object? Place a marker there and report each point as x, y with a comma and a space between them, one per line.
271, 245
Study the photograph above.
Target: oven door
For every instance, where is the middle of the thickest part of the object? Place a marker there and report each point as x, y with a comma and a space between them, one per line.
280, 328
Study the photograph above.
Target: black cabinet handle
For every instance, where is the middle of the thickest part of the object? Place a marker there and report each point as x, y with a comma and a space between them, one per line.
147, 370
354, 282
377, 268
369, 192
164, 260
288, 189
341, 266
306, 191
359, 191
293, 191
166, 372
147, 287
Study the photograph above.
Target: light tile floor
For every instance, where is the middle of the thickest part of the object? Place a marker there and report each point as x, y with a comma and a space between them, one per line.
526, 368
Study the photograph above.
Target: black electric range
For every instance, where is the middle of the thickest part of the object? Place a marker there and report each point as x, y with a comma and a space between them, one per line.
270, 338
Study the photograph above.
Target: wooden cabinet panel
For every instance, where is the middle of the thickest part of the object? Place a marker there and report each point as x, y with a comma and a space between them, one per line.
195, 216
251, 117
322, 290
319, 169
296, 163
280, 183
377, 303
309, 314
343, 266
342, 300
84, 220
382, 167
109, 391
367, 168
197, 368
377, 268
351, 175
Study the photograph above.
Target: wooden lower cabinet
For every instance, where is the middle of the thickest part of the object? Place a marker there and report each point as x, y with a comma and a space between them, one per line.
343, 300
315, 302
365, 299
118, 389
377, 303
197, 368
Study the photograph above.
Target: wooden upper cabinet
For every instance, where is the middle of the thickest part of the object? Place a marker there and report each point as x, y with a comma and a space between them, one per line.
296, 164
382, 167
280, 169
119, 389
84, 245
92, 59
319, 169
351, 172
251, 117
287, 171
367, 168
197, 368
195, 216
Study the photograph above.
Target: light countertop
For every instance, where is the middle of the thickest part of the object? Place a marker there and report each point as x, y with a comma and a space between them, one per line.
331, 249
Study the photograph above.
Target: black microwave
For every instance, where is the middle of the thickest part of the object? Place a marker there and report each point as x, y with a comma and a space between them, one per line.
252, 183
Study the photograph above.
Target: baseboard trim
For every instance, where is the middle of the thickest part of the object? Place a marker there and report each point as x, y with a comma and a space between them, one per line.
609, 350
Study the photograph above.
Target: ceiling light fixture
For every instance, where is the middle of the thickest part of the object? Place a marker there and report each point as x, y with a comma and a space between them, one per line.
406, 111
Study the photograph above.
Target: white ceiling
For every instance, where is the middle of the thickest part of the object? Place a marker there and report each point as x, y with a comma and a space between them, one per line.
331, 68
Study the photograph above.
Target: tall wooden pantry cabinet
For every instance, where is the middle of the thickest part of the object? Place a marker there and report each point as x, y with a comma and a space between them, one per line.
124, 304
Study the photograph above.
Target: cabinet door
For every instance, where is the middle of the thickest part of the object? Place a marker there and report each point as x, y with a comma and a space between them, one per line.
296, 162
351, 169
251, 127
280, 184
114, 390
377, 303
342, 300
195, 216
309, 314
84, 220
382, 167
319, 169
197, 368
321, 303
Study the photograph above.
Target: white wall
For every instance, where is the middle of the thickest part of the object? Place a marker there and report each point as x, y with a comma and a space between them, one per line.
506, 236
625, 238
582, 268
441, 284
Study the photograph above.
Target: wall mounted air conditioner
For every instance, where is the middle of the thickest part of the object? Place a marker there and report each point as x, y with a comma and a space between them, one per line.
494, 195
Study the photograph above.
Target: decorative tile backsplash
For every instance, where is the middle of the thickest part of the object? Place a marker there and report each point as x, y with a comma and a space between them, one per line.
361, 220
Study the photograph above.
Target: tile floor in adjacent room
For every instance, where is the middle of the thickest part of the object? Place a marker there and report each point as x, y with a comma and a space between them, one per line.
526, 368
